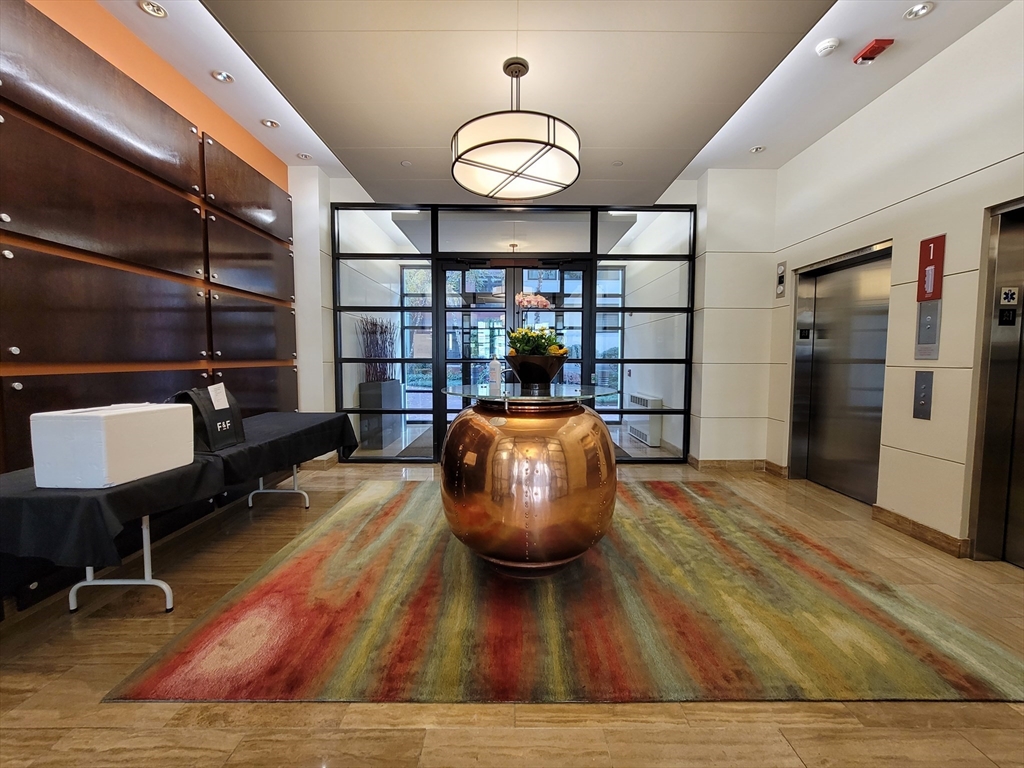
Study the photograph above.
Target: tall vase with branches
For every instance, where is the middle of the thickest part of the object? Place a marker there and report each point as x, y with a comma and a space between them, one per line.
380, 388
378, 337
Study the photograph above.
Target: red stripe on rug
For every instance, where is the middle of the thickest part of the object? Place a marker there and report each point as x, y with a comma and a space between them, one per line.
505, 620
383, 518
706, 652
264, 646
604, 648
412, 637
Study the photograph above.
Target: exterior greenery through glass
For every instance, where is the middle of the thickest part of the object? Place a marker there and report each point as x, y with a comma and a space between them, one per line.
623, 307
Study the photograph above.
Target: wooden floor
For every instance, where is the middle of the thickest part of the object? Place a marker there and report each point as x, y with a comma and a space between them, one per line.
55, 668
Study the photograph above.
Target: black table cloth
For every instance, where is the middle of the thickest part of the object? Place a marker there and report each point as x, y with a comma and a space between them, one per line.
277, 441
77, 526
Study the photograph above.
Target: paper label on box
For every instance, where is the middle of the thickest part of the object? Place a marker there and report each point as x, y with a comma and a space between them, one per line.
219, 396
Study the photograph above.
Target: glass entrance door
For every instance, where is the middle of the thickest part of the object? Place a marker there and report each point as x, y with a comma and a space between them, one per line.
484, 298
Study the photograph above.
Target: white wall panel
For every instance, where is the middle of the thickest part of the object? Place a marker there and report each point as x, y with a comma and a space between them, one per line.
739, 280
741, 211
732, 438
736, 335
957, 327
779, 399
945, 434
777, 449
924, 488
732, 390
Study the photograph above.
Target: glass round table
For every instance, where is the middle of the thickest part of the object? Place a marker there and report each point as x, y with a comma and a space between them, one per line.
528, 479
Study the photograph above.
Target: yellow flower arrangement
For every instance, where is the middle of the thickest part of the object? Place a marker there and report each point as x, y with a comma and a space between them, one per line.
535, 341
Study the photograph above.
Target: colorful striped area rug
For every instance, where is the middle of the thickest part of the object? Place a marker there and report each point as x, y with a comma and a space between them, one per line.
695, 594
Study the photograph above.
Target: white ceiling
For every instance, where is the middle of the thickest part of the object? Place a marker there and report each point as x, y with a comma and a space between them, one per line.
806, 96
659, 85
645, 82
195, 43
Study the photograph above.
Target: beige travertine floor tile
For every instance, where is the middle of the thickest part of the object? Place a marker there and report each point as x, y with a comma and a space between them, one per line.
74, 701
190, 601
250, 715
429, 715
972, 614
597, 715
503, 747
18, 682
1003, 747
884, 748
738, 747
85, 640
133, 748
936, 714
20, 746
350, 748
777, 713
115, 632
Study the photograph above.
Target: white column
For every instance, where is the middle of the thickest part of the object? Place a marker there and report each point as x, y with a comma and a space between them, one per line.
314, 295
734, 278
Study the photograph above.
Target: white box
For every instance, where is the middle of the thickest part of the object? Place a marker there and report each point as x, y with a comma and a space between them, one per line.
102, 447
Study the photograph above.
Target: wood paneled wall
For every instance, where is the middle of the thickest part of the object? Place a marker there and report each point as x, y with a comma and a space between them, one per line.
139, 256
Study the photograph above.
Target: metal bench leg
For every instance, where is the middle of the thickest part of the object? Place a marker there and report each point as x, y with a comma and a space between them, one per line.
293, 489
147, 568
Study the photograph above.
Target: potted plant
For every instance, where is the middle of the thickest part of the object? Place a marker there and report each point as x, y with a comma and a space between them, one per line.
380, 387
536, 356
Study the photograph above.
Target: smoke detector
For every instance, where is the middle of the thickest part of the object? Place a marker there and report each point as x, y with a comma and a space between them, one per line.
825, 47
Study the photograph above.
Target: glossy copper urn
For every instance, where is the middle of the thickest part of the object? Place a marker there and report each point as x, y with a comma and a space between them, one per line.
528, 487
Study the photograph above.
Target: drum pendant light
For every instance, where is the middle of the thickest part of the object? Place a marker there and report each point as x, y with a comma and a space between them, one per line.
515, 154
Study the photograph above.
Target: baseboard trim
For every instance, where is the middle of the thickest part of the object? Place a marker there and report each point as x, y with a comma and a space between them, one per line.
943, 542
776, 469
326, 461
732, 465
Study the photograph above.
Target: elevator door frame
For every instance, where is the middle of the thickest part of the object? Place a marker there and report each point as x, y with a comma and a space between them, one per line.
1002, 357
803, 320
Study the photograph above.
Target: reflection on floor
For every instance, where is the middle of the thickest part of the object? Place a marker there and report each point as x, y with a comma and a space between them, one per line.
55, 668
417, 442
638, 449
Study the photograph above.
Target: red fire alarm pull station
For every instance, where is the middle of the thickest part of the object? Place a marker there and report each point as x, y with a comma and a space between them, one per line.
929, 268
872, 51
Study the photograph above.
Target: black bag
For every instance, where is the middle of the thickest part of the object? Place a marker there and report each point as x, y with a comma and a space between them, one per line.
213, 429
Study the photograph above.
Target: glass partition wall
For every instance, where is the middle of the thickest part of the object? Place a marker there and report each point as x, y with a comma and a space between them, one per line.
424, 295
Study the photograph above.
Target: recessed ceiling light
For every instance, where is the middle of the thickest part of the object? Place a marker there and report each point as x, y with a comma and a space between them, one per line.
305, 156
617, 163
919, 10
755, 150
270, 123
153, 9
222, 77
406, 163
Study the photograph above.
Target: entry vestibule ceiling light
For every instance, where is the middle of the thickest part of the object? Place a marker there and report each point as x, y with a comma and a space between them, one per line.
515, 154
153, 9
919, 10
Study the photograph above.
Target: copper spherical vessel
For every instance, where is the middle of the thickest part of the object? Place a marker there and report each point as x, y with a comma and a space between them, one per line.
528, 487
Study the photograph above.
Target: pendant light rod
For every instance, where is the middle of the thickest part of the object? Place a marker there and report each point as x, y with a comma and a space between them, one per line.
515, 68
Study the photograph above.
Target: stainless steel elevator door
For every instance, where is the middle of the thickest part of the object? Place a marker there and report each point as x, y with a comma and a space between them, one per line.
851, 318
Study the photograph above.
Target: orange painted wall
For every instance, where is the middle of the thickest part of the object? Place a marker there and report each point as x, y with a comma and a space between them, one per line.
97, 28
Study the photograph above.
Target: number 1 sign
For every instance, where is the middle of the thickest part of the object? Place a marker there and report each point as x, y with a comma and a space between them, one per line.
929, 270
